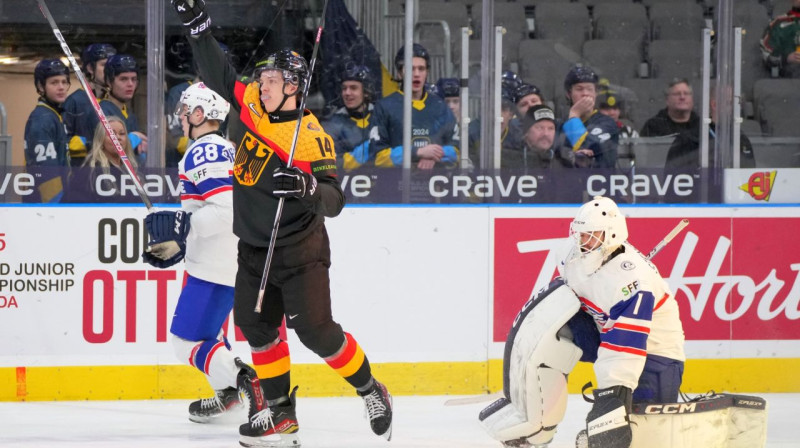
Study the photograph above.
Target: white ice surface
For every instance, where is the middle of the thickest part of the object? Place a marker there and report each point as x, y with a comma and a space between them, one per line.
324, 422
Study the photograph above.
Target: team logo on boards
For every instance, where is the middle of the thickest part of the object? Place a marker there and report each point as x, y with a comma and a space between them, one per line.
251, 158
759, 186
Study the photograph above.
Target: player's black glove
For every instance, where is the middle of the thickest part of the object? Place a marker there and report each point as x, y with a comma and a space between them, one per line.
193, 16
607, 424
293, 183
168, 231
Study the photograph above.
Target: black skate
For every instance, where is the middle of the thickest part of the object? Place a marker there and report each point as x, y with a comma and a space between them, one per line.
378, 404
204, 410
274, 426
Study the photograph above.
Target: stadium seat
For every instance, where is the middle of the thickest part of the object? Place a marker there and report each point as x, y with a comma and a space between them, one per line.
780, 7
678, 21
776, 104
613, 59
772, 154
752, 128
612, 21
675, 59
509, 15
545, 63
651, 152
647, 100
568, 23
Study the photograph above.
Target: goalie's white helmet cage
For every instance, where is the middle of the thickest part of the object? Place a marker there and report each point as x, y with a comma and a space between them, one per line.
600, 214
199, 95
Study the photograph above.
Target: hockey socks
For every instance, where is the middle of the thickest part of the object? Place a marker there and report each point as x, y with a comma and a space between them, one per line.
272, 365
351, 363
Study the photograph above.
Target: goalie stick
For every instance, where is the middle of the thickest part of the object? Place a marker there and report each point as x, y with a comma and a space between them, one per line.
109, 132
279, 211
489, 397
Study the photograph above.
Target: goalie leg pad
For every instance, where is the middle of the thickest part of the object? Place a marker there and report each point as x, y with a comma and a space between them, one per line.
535, 365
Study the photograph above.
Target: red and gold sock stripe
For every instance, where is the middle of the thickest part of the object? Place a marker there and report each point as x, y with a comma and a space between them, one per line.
273, 362
348, 359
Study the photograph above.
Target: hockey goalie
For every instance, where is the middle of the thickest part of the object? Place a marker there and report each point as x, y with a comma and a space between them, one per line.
610, 307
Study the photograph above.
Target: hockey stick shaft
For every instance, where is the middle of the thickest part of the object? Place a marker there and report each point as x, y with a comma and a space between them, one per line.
97, 109
672, 234
279, 211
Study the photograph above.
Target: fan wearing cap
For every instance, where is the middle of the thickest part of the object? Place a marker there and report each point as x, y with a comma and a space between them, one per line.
79, 115
350, 125
122, 80
45, 137
539, 136
591, 138
433, 126
611, 105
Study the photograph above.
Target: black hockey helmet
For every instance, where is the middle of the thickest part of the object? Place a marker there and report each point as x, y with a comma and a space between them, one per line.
293, 66
579, 74
47, 68
95, 52
362, 74
524, 90
448, 87
118, 64
418, 52
510, 80
179, 58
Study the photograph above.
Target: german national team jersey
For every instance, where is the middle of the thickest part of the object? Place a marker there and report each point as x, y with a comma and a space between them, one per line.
634, 309
264, 141
350, 133
206, 191
432, 122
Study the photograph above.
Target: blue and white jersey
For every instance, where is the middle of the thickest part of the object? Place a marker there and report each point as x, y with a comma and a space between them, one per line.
206, 176
45, 137
634, 309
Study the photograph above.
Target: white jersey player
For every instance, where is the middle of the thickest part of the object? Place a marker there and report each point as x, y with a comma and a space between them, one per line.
640, 354
203, 234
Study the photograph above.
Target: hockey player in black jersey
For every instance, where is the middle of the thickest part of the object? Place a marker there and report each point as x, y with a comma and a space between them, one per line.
350, 125
45, 142
591, 138
432, 122
264, 116
79, 115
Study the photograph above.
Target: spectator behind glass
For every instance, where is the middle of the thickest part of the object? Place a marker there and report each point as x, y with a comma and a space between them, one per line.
99, 179
510, 134
780, 45
527, 96
539, 137
590, 138
685, 150
610, 105
350, 125
79, 115
678, 116
45, 137
122, 79
432, 123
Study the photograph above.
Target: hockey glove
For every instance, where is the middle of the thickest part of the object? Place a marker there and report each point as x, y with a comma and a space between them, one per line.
607, 424
168, 231
293, 183
193, 16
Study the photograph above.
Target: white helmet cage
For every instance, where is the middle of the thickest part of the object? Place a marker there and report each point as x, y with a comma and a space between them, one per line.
599, 214
199, 95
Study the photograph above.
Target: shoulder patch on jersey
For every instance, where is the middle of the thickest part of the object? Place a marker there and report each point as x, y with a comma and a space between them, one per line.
627, 265
313, 126
631, 288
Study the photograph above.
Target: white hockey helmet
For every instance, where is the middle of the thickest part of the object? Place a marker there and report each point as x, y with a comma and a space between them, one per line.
199, 95
601, 214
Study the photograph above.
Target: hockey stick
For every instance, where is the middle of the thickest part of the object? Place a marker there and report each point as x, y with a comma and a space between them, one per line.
473, 400
672, 234
279, 211
99, 111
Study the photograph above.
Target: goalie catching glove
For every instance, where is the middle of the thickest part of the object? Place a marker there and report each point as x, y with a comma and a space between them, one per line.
193, 16
608, 424
293, 183
168, 231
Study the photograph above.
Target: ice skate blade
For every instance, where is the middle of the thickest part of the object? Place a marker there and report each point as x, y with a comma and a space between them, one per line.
388, 434
284, 440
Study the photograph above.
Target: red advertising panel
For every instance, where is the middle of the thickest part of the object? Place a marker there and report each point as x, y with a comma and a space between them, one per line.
733, 278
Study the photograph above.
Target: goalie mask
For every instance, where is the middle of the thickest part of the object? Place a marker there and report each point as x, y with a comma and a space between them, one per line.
599, 227
214, 107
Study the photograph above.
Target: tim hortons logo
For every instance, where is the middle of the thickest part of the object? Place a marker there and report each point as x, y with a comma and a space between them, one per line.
759, 186
709, 289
